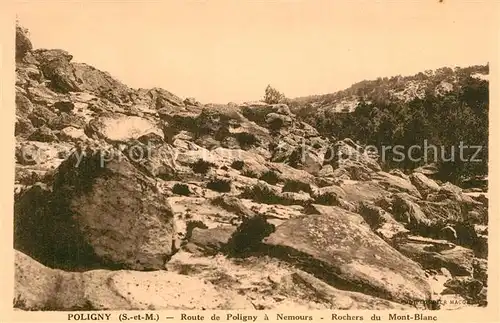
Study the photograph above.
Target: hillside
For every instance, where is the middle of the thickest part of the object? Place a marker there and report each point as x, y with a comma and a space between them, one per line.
442, 107
134, 199
397, 88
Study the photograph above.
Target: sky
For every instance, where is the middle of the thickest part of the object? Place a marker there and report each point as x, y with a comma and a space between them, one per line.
228, 51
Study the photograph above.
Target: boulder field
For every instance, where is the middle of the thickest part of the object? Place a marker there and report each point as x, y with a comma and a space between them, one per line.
137, 199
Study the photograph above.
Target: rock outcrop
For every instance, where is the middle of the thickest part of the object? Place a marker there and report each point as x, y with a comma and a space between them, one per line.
101, 209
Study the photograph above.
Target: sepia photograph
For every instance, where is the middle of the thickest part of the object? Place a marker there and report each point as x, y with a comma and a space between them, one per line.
284, 156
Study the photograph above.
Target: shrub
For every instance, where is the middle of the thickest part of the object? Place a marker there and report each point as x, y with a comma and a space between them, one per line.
270, 177
262, 194
246, 140
181, 189
219, 185
250, 173
248, 237
201, 166
238, 164
327, 199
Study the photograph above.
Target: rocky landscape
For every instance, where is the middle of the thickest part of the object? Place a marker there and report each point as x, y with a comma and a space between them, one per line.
137, 199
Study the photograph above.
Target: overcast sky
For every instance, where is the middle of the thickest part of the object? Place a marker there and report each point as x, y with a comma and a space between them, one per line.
222, 51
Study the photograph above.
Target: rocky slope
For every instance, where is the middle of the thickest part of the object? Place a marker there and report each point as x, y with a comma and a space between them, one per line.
397, 88
136, 199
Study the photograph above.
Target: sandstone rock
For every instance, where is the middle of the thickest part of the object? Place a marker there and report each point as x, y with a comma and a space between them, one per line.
346, 153
47, 155
23, 105
480, 270
43, 134
121, 128
64, 120
270, 284
158, 98
259, 111
399, 173
191, 101
436, 254
427, 170
102, 211
41, 116
35, 285
469, 288
409, 212
338, 299
66, 76
442, 212
326, 171
396, 184
64, 106
381, 222
340, 246
23, 128
424, 184
23, 43
72, 134
358, 191
212, 240
40, 288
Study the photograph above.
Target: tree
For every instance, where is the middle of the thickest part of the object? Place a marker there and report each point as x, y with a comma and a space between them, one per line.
273, 96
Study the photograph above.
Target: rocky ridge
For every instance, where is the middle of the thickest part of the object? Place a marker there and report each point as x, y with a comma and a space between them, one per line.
123, 192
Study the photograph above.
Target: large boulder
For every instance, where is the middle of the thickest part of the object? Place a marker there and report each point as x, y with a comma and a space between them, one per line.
66, 76
351, 156
339, 246
272, 284
121, 128
381, 222
424, 184
23, 43
40, 288
157, 98
396, 183
102, 212
436, 254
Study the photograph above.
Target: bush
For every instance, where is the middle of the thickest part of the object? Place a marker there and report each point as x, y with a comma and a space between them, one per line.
296, 186
262, 194
327, 199
250, 173
246, 140
270, 177
201, 166
248, 237
219, 185
181, 189
238, 164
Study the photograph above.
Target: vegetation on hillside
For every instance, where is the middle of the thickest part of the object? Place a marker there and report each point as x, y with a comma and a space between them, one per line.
446, 108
